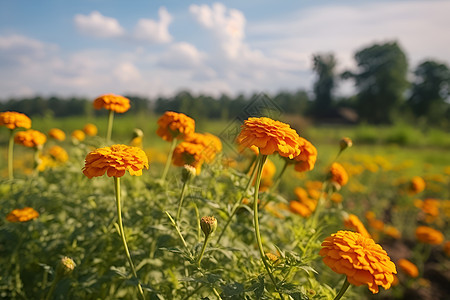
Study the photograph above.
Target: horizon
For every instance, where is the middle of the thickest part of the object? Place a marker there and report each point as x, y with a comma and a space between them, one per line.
151, 49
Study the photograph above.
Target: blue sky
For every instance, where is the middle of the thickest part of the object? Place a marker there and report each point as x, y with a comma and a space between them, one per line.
151, 48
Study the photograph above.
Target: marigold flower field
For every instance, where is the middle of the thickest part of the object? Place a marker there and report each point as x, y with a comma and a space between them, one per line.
181, 213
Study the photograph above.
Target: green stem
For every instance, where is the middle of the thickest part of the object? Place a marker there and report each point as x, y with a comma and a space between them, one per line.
37, 160
180, 201
237, 204
320, 203
193, 292
178, 231
122, 234
260, 164
110, 126
216, 293
169, 159
277, 181
343, 289
203, 249
52, 288
10, 154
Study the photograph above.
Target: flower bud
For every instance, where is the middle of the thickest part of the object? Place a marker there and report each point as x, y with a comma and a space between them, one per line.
188, 172
65, 266
345, 143
208, 225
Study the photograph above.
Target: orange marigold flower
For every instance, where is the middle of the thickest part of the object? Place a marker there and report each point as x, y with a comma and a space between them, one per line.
416, 185
354, 223
431, 207
429, 235
116, 103
306, 160
22, 215
173, 125
212, 144
115, 160
12, 120
78, 135
189, 154
57, 134
90, 129
30, 138
359, 258
392, 232
447, 248
300, 209
376, 224
408, 268
58, 153
270, 136
338, 174
336, 198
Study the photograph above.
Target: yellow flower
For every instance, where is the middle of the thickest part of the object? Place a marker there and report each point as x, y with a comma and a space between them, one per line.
188, 154
57, 134
114, 161
408, 268
78, 135
90, 129
354, 223
173, 125
306, 160
30, 138
338, 174
359, 258
116, 103
270, 136
429, 235
12, 120
22, 215
58, 153
416, 185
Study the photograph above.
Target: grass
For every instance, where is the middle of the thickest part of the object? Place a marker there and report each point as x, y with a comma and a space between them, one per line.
78, 218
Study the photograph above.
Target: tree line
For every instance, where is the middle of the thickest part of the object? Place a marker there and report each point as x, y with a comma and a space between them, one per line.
386, 91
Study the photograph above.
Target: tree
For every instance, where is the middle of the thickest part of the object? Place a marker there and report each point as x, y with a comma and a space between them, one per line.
381, 81
324, 65
430, 89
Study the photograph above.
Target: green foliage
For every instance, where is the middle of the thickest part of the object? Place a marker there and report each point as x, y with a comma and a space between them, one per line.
381, 81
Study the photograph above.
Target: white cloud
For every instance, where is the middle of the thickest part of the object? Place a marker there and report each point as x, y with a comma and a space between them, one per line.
97, 25
181, 56
226, 24
21, 49
127, 72
154, 31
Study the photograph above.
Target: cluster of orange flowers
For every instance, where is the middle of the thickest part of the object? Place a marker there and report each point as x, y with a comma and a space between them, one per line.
116, 103
428, 235
13, 120
22, 215
305, 204
57, 134
266, 136
30, 138
195, 148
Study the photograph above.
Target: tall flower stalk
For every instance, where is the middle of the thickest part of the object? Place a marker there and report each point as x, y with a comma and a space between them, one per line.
11, 154
169, 159
13, 120
122, 234
110, 126
113, 103
115, 161
259, 165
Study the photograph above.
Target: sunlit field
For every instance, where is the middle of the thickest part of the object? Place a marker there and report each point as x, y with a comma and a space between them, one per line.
219, 220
